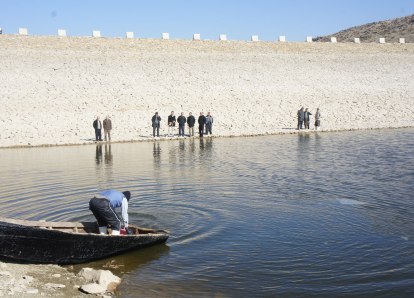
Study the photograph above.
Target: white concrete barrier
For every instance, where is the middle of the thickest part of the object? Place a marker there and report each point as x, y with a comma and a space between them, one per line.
333, 40
1, 31
357, 40
223, 37
196, 36
382, 40
402, 40
61, 32
96, 33
165, 35
23, 31
255, 38
309, 39
130, 34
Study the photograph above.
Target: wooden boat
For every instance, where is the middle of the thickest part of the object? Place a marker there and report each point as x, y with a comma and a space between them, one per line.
68, 242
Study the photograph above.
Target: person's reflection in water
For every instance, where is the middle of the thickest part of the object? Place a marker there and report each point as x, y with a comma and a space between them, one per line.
181, 145
192, 145
108, 154
156, 152
98, 154
209, 143
201, 144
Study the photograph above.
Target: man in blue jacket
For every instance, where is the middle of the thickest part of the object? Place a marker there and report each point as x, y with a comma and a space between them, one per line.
103, 208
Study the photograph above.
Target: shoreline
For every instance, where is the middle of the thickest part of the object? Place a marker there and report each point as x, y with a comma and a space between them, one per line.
292, 131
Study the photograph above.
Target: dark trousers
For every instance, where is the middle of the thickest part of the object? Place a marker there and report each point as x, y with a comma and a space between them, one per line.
300, 123
157, 128
307, 124
201, 130
181, 130
98, 134
208, 128
104, 213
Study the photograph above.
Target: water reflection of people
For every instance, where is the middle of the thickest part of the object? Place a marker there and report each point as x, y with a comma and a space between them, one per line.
181, 145
156, 150
108, 154
206, 143
98, 154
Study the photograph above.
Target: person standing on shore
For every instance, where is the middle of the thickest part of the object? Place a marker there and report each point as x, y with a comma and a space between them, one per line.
209, 123
171, 123
156, 122
301, 116
97, 125
317, 119
201, 123
181, 124
307, 118
191, 122
107, 126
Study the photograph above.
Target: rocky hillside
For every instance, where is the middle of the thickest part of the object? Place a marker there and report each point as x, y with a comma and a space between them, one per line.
392, 30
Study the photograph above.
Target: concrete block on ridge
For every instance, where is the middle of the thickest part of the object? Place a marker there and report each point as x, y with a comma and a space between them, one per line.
357, 40
255, 37
23, 31
165, 35
61, 32
333, 40
309, 39
130, 34
282, 38
402, 40
196, 36
382, 40
96, 33
223, 37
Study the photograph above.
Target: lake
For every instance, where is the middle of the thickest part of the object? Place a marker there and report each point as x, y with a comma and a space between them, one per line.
314, 214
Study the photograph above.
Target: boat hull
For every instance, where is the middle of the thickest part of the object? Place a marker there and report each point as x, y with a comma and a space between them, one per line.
31, 244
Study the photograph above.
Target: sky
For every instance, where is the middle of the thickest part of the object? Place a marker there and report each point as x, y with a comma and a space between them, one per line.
239, 19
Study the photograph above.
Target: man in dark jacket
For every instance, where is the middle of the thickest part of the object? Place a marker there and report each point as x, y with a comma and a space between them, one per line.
181, 124
201, 123
107, 126
209, 124
171, 123
191, 122
97, 125
301, 117
156, 121
306, 115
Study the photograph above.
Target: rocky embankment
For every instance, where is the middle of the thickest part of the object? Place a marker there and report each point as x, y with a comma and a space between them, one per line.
26, 280
391, 30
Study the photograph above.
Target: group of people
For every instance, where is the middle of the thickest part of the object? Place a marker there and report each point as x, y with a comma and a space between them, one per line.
304, 118
107, 127
205, 124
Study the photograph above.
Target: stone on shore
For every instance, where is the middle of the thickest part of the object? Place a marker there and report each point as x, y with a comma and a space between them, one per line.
101, 281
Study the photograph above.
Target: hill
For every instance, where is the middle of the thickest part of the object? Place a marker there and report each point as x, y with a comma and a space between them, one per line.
391, 30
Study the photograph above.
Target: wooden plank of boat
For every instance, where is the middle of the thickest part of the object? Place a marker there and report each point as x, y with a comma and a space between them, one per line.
68, 242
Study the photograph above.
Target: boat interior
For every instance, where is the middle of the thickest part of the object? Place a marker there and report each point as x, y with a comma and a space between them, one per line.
73, 227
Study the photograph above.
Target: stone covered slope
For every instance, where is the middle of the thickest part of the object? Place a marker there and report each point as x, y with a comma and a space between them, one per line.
391, 30
52, 88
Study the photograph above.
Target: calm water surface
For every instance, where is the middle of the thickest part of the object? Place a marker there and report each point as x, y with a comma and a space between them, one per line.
327, 214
